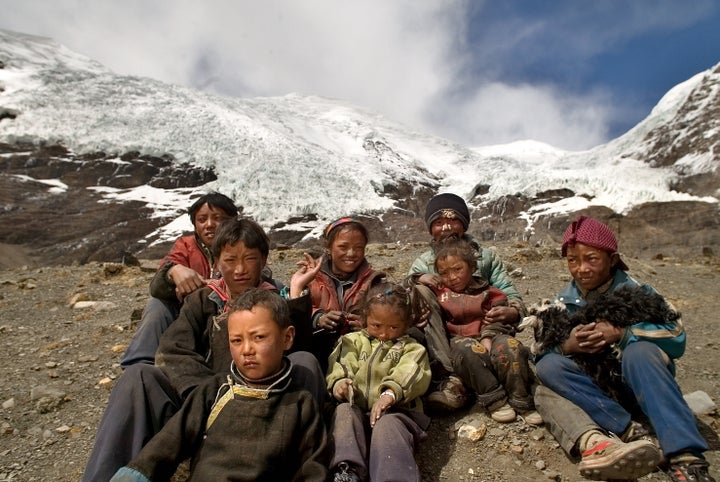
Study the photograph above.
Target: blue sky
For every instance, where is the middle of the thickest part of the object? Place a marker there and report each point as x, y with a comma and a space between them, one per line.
572, 73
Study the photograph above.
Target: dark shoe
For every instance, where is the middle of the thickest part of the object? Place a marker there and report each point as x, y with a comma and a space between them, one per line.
344, 472
451, 395
695, 470
637, 431
611, 458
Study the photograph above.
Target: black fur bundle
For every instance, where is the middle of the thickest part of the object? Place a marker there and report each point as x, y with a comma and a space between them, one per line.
624, 307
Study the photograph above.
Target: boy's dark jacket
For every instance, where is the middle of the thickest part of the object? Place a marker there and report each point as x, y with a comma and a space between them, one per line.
257, 434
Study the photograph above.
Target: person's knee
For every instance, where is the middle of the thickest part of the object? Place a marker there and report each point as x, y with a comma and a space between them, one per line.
388, 427
138, 376
549, 367
641, 355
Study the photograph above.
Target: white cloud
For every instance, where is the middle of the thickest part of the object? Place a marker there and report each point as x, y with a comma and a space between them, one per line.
410, 60
500, 113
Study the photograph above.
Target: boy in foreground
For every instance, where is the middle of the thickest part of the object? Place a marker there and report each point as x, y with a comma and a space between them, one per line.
256, 426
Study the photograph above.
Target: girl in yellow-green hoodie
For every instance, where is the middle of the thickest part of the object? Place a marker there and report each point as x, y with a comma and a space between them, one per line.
378, 375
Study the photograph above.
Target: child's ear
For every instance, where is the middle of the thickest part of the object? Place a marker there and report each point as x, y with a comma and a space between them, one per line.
289, 337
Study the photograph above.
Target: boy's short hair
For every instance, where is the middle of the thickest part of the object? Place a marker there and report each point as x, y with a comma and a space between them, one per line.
459, 248
237, 229
268, 299
214, 200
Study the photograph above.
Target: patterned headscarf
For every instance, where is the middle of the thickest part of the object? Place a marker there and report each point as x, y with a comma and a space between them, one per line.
591, 232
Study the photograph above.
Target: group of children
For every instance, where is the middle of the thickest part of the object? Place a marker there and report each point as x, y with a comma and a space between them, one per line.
381, 346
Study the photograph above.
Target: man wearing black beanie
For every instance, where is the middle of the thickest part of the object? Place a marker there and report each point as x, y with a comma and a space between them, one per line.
447, 215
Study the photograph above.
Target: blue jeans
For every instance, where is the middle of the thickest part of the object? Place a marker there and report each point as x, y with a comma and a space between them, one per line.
156, 318
648, 378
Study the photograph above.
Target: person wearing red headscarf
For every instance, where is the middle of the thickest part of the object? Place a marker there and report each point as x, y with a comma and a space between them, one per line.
579, 413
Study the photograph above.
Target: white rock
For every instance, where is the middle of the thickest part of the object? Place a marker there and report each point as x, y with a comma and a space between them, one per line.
8, 404
700, 402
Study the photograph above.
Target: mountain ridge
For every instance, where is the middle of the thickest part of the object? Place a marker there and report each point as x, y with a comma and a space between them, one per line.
73, 134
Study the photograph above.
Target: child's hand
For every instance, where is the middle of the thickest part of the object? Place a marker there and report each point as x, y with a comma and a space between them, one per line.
611, 334
332, 320
431, 281
354, 321
341, 390
487, 343
186, 280
584, 339
306, 272
378, 409
502, 314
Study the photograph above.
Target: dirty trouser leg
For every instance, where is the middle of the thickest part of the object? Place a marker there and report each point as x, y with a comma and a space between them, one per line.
139, 405
436, 337
156, 318
510, 359
565, 420
392, 448
471, 362
349, 437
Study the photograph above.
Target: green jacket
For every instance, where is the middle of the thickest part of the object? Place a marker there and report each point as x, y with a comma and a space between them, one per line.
401, 365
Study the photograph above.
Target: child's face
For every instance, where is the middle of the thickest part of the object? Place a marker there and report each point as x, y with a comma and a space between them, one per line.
441, 228
240, 267
455, 273
385, 322
347, 251
257, 342
207, 220
590, 267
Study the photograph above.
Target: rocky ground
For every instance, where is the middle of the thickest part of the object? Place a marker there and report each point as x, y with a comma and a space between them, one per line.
64, 328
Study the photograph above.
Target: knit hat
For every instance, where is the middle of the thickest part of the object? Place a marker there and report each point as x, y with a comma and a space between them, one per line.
591, 232
447, 205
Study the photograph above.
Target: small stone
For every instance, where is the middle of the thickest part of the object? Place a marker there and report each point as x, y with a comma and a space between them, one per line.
472, 433
44, 391
106, 383
540, 465
77, 297
87, 358
47, 435
51, 364
118, 348
516, 449
62, 429
8, 404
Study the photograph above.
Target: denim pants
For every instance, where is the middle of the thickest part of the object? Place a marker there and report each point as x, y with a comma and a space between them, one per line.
648, 378
156, 318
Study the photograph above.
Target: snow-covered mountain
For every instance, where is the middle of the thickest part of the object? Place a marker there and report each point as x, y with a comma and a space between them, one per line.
294, 162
